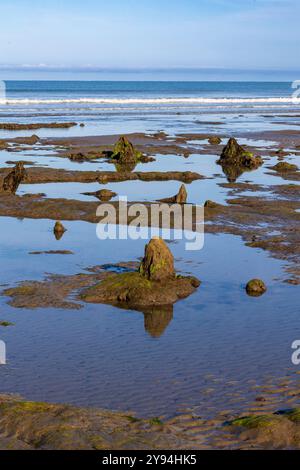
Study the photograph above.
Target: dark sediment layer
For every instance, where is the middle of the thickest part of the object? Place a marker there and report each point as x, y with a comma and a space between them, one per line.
51, 175
143, 143
45, 125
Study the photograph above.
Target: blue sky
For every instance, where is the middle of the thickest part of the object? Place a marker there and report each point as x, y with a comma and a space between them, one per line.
150, 33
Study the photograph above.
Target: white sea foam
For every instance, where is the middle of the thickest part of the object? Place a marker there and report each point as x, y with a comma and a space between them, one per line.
149, 101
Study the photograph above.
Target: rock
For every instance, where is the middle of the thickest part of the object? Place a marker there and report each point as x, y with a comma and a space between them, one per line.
214, 140
3, 145
233, 153
278, 430
12, 181
30, 140
285, 166
179, 198
5, 323
85, 157
235, 160
256, 287
134, 291
102, 194
154, 284
124, 152
158, 261
59, 230
82, 124
77, 157
210, 204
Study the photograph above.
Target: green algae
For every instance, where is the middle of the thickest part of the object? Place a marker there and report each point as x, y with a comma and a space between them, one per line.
6, 323
156, 421
24, 289
116, 285
285, 166
255, 422
26, 406
124, 152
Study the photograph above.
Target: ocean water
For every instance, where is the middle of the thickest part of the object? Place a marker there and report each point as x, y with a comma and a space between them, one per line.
218, 344
129, 94
111, 107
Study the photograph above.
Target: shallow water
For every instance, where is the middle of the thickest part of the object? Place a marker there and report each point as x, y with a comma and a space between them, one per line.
102, 356
198, 191
219, 342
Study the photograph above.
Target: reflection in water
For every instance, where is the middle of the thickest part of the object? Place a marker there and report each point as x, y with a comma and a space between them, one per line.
125, 167
157, 320
58, 234
233, 172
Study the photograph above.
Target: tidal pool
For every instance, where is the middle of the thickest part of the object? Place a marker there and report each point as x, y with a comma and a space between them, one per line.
206, 356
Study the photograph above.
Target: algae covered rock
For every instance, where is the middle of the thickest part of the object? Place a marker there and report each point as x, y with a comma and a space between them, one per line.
179, 198
3, 145
277, 430
210, 204
235, 154
232, 152
77, 157
6, 323
285, 166
103, 194
255, 421
12, 181
256, 287
154, 284
214, 140
34, 139
59, 230
235, 160
124, 152
158, 261
152, 290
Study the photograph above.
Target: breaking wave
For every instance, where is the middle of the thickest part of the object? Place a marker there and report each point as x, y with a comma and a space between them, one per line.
150, 101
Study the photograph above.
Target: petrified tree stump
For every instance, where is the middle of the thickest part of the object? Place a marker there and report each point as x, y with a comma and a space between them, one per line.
124, 152
12, 181
158, 261
179, 198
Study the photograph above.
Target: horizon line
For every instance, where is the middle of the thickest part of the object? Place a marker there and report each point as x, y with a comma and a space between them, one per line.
175, 69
